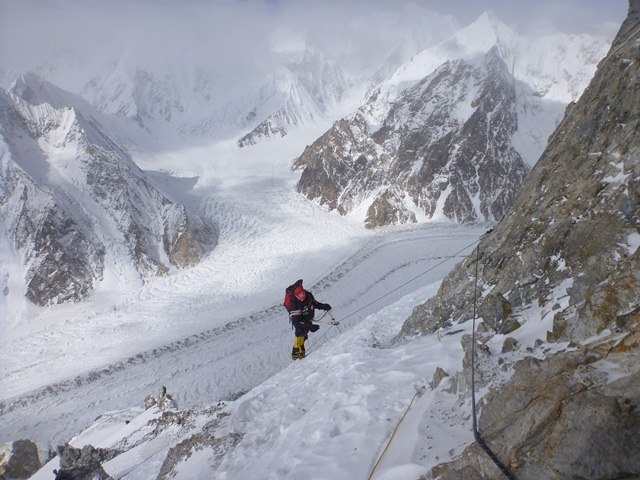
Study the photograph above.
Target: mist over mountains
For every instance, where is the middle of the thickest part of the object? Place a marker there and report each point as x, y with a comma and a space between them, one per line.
423, 109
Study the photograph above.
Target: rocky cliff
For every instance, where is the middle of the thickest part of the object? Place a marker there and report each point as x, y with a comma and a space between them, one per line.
442, 151
567, 250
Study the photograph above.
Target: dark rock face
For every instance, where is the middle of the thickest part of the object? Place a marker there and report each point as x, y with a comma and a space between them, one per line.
84, 463
218, 447
426, 156
18, 460
65, 262
273, 126
569, 245
495, 311
563, 418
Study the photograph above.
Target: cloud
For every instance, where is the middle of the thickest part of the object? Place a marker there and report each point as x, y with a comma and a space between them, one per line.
222, 33
245, 38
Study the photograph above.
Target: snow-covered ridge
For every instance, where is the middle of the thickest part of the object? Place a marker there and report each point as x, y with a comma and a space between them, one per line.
95, 194
550, 70
558, 66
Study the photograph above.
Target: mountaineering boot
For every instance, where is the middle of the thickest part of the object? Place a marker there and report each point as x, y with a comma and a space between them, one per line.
297, 353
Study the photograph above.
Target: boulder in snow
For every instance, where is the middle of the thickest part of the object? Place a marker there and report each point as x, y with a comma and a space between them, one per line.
18, 459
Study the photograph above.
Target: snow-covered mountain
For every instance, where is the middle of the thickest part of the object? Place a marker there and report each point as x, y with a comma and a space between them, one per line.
558, 278
191, 104
75, 207
184, 103
442, 151
557, 354
410, 152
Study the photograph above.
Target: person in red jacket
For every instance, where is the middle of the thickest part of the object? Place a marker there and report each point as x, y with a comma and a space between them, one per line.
301, 313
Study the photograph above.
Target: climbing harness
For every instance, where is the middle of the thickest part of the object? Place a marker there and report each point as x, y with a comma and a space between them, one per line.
476, 433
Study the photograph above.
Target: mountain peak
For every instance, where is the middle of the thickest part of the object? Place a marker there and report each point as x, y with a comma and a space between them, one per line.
35, 90
488, 30
30, 87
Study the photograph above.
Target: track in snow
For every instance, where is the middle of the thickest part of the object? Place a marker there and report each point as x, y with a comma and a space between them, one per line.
222, 362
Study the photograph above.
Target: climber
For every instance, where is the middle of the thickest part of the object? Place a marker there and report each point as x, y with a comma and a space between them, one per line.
301, 306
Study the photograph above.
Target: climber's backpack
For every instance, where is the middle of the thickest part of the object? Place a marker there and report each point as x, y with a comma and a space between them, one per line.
288, 295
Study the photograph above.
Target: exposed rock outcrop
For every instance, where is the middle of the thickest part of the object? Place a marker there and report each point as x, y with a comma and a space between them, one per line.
436, 153
209, 439
18, 460
275, 125
83, 463
563, 417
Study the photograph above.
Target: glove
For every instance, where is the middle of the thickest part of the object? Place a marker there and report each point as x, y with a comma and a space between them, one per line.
314, 328
328, 307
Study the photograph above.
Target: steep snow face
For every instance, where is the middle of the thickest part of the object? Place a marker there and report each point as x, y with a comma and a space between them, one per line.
476, 38
557, 66
551, 71
427, 144
74, 200
442, 151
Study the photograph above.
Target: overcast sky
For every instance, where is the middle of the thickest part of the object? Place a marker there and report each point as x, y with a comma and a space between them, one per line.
235, 33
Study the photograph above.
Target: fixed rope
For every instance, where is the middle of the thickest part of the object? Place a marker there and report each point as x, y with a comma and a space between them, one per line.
440, 290
321, 336
393, 434
449, 257
476, 433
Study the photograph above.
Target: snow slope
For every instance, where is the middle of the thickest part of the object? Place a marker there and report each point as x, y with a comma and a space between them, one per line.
214, 330
332, 415
550, 71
